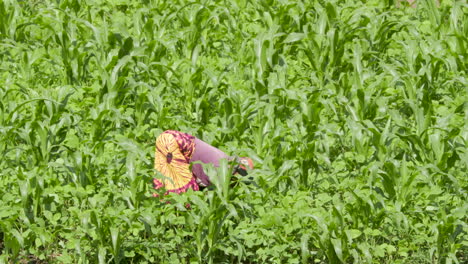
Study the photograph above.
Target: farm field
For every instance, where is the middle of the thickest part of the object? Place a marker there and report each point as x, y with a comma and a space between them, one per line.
354, 112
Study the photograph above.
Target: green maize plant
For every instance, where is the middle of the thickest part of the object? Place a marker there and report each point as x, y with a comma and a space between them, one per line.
355, 114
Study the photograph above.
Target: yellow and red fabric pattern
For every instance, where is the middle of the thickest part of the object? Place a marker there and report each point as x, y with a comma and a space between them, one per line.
174, 150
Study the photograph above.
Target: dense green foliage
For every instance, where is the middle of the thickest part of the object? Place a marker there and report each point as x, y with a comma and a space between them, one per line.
356, 116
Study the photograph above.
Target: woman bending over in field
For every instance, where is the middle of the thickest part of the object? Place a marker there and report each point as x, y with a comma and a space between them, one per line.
176, 150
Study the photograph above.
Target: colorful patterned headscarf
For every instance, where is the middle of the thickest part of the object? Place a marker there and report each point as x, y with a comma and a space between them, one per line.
174, 150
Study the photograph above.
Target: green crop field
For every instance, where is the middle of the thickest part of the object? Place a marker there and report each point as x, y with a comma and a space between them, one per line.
354, 112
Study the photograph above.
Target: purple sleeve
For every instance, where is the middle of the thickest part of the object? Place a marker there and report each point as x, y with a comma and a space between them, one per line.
206, 154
